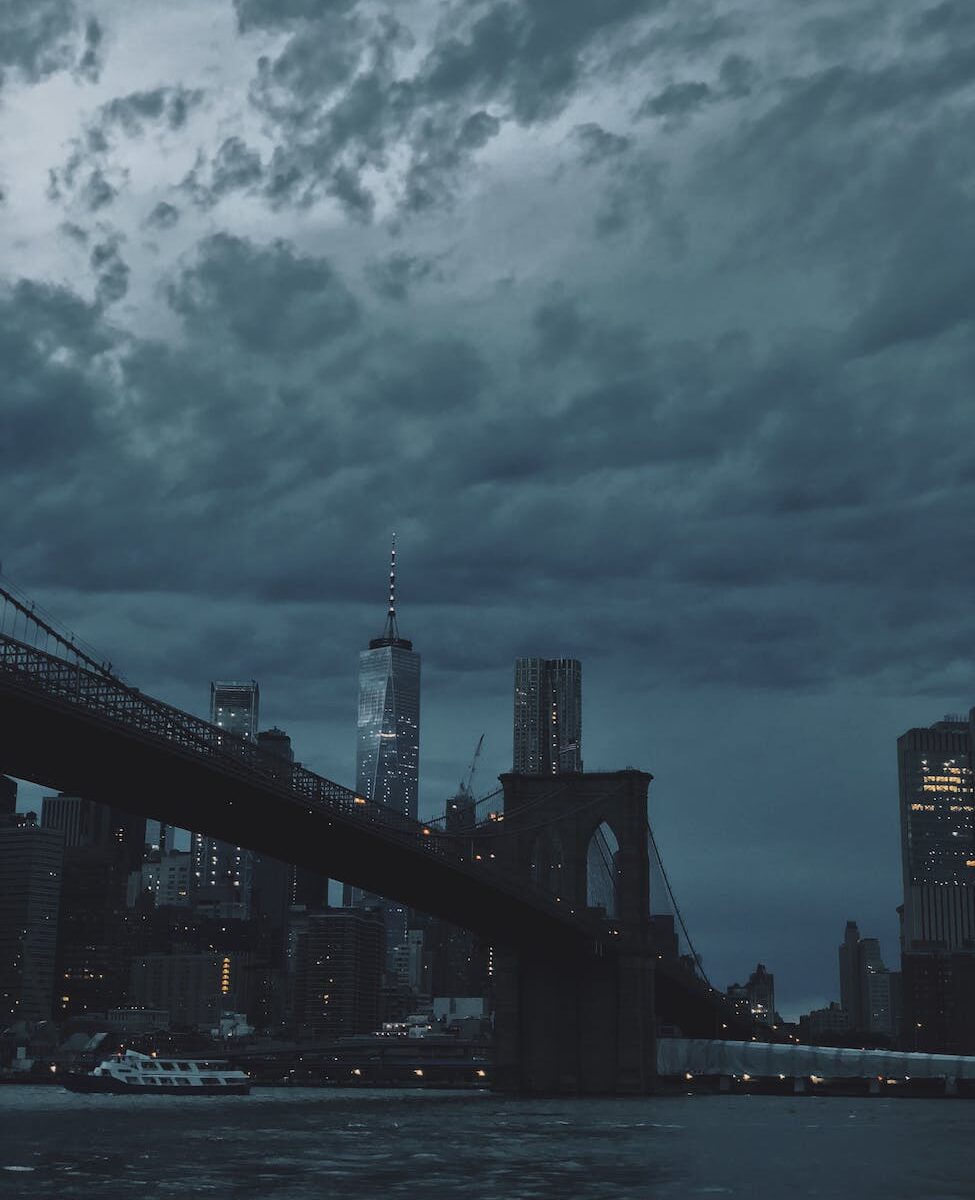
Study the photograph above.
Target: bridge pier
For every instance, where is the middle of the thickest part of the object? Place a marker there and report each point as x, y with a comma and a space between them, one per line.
583, 1028
583, 1024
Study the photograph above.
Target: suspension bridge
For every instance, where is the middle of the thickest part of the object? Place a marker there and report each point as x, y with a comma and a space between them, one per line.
582, 983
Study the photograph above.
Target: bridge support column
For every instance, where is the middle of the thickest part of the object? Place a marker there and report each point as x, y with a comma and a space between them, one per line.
585, 1028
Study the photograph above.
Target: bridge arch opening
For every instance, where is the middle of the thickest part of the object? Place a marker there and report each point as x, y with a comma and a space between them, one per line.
546, 862
602, 870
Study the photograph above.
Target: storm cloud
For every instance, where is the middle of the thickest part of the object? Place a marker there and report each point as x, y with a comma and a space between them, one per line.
647, 328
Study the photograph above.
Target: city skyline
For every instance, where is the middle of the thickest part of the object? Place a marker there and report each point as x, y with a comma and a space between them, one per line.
647, 327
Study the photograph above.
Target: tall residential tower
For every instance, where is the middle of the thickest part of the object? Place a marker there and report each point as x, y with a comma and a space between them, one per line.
223, 873
548, 716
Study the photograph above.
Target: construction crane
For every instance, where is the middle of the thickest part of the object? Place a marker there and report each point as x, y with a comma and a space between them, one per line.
466, 785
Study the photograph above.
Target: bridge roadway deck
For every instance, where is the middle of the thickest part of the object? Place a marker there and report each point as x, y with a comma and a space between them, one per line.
66, 727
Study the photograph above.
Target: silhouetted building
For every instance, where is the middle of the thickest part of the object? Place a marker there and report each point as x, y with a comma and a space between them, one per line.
87, 825
8, 795
865, 984
273, 881
194, 988
30, 887
388, 738
223, 873
761, 994
337, 972
102, 846
461, 812
825, 1026
937, 807
547, 716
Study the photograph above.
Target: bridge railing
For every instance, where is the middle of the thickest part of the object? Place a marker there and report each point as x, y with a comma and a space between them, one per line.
98, 692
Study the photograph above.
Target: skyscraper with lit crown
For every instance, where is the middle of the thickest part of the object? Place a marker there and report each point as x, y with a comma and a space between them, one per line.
387, 768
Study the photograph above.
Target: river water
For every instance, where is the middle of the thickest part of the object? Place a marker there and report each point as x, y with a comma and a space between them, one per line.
339, 1145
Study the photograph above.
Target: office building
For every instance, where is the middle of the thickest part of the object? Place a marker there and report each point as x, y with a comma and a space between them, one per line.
547, 716
30, 887
223, 873
387, 768
234, 707
937, 810
388, 738
166, 877
865, 984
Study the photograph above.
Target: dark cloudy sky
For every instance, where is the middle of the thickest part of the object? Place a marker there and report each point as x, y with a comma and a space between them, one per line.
646, 325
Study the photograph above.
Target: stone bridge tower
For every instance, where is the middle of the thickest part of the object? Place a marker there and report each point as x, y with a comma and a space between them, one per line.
587, 1025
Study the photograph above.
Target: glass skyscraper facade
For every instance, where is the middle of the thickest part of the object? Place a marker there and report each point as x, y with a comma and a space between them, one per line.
388, 727
223, 873
387, 768
547, 716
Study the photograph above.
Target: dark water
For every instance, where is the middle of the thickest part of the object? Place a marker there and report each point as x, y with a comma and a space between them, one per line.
291, 1145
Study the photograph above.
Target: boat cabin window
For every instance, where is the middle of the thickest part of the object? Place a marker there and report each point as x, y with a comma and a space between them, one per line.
185, 1066
148, 1066
210, 1079
167, 1066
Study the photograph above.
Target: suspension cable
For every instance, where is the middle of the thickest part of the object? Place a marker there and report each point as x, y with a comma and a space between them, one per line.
31, 615
679, 914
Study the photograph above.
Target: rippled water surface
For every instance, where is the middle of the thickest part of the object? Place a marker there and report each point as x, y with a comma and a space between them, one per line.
336, 1144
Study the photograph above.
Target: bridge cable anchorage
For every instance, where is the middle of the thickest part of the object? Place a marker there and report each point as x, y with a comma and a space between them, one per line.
680, 915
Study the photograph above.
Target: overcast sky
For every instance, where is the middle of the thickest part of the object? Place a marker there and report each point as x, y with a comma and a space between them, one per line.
646, 324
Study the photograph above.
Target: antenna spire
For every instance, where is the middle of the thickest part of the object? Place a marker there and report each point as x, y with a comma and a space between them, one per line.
391, 631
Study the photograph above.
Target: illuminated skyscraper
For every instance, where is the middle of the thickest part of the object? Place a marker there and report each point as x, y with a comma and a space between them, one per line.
938, 851
387, 764
222, 873
387, 767
548, 716
234, 707
938, 835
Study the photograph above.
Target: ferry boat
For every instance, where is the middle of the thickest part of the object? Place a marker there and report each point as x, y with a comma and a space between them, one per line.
131, 1073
